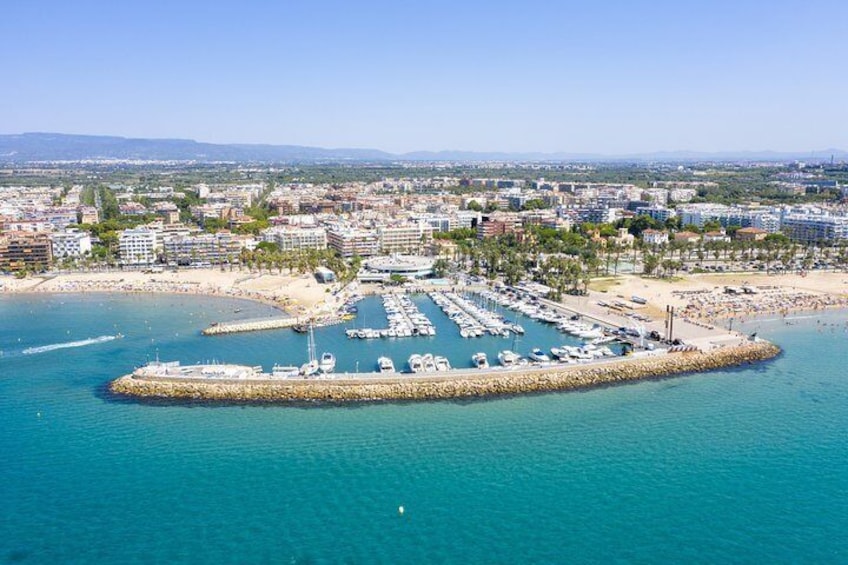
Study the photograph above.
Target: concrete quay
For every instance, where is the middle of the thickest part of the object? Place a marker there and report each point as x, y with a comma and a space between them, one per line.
464, 384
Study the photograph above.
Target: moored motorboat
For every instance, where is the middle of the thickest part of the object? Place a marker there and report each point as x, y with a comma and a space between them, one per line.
508, 358
480, 360
416, 365
327, 363
385, 365
539, 356
442, 363
429, 363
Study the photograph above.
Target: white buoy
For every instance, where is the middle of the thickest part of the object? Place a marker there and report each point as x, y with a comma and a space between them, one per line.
38, 414
400, 510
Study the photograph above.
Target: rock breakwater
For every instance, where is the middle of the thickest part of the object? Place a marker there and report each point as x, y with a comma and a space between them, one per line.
407, 388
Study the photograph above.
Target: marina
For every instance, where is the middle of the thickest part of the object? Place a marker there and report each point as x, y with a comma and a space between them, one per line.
439, 321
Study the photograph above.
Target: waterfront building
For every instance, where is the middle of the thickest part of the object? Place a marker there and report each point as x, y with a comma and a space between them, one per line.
70, 244
137, 246
405, 237
410, 266
201, 249
291, 238
353, 241
20, 251
325, 275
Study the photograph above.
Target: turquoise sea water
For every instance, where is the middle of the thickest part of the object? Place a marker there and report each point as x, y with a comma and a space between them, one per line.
747, 465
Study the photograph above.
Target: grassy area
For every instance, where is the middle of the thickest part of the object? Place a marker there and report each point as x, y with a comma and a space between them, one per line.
604, 284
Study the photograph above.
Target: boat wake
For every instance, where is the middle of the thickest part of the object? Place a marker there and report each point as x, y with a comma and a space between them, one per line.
69, 344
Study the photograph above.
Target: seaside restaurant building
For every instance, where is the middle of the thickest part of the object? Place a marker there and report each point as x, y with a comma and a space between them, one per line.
325, 275
380, 269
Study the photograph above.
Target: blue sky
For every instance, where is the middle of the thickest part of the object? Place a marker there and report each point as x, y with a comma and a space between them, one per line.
610, 77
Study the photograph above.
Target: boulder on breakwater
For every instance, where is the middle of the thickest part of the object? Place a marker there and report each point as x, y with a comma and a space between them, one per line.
405, 388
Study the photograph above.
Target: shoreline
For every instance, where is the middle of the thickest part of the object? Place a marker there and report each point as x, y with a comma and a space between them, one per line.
292, 295
463, 386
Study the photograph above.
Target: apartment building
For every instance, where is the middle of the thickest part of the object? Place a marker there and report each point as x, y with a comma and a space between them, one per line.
353, 241
204, 248
405, 238
291, 238
25, 251
70, 244
137, 246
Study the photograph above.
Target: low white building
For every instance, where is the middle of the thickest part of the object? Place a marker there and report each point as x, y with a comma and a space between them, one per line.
655, 237
70, 244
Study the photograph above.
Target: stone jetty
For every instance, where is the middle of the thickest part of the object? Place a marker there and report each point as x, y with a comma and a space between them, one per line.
462, 385
255, 325
249, 326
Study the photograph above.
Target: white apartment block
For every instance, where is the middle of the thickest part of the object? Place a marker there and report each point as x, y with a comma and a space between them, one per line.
70, 244
203, 248
353, 241
137, 246
812, 228
655, 237
291, 238
409, 238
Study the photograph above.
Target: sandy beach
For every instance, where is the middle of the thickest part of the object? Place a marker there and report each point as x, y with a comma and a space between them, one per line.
699, 300
294, 294
703, 298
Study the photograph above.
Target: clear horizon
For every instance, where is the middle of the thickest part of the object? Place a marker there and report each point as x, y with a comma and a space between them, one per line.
605, 79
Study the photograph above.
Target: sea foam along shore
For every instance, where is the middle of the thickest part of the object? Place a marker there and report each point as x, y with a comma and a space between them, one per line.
405, 388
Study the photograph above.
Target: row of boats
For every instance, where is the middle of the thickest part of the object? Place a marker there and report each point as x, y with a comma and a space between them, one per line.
404, 318
428, 363
531, 307
473, 321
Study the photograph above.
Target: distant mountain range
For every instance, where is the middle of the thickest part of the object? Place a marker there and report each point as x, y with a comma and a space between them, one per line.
26, 147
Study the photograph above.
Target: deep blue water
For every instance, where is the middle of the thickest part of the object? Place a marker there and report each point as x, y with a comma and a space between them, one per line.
747, 465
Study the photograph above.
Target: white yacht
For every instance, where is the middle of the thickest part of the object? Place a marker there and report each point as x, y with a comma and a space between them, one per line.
416, 364
559, 352
327, 363
508, 358
312, 367
442, 363
480, 360
539, 356
385, 365
429, 362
